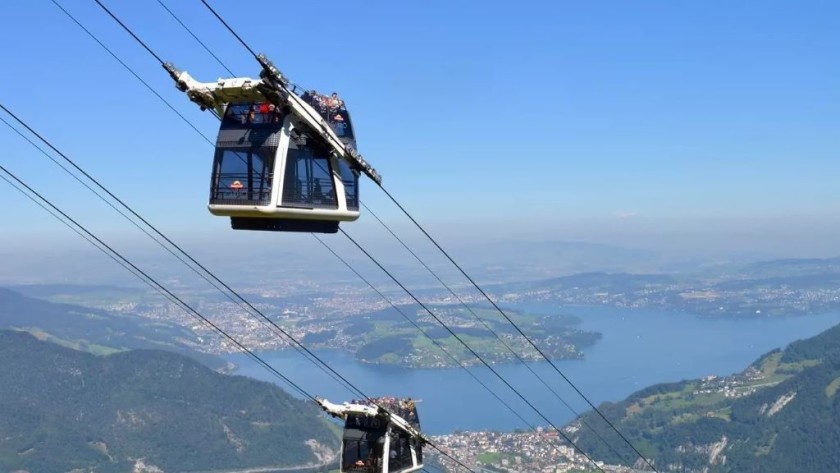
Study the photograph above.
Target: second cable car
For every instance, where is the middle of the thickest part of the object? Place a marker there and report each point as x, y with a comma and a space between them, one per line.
270, 172
379, 437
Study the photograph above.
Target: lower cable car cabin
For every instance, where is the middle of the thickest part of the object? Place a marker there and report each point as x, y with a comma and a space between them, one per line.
378, 441
272, 173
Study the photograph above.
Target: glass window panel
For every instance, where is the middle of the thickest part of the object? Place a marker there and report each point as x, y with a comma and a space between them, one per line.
308, 180
243, 176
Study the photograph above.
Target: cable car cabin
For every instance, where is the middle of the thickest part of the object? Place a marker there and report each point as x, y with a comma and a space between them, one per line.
271, 173
378, 442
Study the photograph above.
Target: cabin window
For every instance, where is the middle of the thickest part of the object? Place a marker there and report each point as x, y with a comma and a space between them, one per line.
242, 176
251, 113
363, 447
399, 455
308, 180
350, 179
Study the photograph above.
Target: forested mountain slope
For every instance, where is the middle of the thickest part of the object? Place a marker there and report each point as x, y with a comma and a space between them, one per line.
781, 414
62, 409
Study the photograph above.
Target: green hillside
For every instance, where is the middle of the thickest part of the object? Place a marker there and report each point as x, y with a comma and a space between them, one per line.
64, 409
781, 414
95, 330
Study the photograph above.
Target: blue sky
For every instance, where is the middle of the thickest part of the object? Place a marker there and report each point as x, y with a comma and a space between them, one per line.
690, 125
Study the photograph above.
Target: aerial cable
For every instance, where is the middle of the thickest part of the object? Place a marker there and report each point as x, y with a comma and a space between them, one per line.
557, 395
431, 339
470, 349
195, 37
515, 326
320, 240
82, 235
205, 273
262, 317
420, 329
132, 34
495, 334
102, 246
120, 201
219, 17
542, 354
136, 271
306, 352
323, 365
129, 69
252, 52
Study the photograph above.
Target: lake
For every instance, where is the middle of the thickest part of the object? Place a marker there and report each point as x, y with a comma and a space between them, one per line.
638, 348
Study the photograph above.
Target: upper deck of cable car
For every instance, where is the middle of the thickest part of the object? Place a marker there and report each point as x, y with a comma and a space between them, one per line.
254, 114
332, 109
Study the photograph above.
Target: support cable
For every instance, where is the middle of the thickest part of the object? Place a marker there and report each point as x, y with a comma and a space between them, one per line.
323, 364
67, 220
102, 246
239, 38
195, 37
421, 330
252, 52
515, 326
471, 350
124, 26
204, 273
495, 334
222, 20
129, 69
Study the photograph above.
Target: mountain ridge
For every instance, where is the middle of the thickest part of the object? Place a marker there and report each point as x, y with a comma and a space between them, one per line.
781, 414
66, 409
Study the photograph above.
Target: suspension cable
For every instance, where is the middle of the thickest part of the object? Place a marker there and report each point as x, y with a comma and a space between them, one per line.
426, 334
542, 354
384, 190
222, 20
495, 334
407, 248
204, 273
195, 37
515, 326
421, 330
291, 338
67, 220
479, 319
129, 69
46, 204
471, 350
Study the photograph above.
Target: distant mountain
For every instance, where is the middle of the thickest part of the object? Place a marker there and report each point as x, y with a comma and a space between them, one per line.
62, 410
790, 267
597, 282
535, 260
95, 330
761, 289
46, 291
782, 414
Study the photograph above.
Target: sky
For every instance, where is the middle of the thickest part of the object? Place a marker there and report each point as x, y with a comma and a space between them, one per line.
693, 127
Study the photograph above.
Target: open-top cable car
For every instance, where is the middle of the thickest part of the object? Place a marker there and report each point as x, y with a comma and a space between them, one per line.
283, 162
382, 436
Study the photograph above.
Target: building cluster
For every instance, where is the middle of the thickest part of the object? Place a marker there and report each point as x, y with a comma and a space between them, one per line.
735, 386
541, 450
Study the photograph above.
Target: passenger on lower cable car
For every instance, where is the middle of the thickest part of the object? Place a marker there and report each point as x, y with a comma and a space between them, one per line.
338, 125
